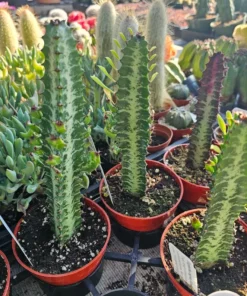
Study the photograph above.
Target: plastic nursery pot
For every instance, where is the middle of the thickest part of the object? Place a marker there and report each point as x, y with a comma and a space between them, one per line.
76, 275
160, 114
180, 103
7, 285
227, 29
200, 25
182, 291
193, 193
180, 133
223, 293
163, 131
143, 224
124, 292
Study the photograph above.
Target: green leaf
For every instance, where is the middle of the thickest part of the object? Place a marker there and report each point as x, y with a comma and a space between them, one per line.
221, 124
32, 188
11, 175
111, 63
103, 69
100, 83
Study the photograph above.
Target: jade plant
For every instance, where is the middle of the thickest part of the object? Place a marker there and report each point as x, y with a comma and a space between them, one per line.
228, 195
155, 36
65, 131
206, 112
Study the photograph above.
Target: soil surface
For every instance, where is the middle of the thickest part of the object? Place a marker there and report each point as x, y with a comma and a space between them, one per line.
220, 277
10, 215
44, 251
3, 275
177, 161
157, 140
106, 159
161, 194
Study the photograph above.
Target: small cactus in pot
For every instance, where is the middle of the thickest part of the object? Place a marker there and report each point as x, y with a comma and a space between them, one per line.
179, 118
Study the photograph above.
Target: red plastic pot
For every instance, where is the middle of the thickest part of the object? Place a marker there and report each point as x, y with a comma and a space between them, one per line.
160, 114
76, 275
142, 224
179, 134
181, 290
7, 285
163, 131
193, 193
181, 103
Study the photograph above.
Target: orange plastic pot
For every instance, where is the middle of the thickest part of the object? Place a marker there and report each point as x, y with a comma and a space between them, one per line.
179, 134
181, 290
76, 275
193, 193
160, 114
181, 103
163, 131
142, 224
7, 285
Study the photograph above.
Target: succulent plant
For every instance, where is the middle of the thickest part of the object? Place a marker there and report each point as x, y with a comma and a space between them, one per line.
155, 36
30, 29
206, 111
174, 72
228, 195
226, 10
178, 91
65, 131
201, 9
59, 14
105, 29
8, 33
179, 118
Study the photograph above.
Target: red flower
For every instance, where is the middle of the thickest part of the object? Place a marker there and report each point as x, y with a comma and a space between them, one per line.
91, 21
84, 25
75, 16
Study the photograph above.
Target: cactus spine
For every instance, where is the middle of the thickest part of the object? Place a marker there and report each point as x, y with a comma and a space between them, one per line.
29, 28
226, 10
105, 29
156, 33
201, 9
8, 33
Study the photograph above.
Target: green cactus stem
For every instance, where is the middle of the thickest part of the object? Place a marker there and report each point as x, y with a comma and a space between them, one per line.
133, 116
29, 28
201, 9
105, 29
228, 198
8, 33
226, 9
206, 111
64, 131
155, 36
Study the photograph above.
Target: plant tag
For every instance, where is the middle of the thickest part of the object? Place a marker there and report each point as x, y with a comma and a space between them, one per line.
238, 110
184, 267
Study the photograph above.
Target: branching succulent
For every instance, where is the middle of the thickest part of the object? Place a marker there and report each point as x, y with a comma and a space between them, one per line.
201, 9
206, 111
228, 196
226, 9
65, 131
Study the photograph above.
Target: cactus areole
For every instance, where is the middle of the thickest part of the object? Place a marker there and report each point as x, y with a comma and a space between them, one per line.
65, 134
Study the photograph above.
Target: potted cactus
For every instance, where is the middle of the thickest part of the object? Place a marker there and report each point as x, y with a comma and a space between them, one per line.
63, 249
4, 275
200, 22
216, 242
188, 160
227, 18
180, 94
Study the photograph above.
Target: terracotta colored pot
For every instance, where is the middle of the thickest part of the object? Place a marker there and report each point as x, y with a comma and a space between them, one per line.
142, 224
163, 131
75, 276
160, 114
7, 285
181, 103
193, 193
48, 1
179, 134
181, 290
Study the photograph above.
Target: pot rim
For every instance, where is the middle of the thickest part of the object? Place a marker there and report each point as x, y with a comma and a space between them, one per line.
7, 284
165, 131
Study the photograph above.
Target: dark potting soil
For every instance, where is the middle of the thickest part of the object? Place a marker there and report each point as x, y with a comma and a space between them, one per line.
177, 161
161, 194
10, 215
3, 275
157, 140
221, 277
44, 250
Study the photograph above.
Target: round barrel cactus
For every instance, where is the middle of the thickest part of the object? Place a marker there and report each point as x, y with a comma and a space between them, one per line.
178, 91
179, 118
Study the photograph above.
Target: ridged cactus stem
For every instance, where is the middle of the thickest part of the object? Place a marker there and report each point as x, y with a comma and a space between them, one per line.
105, 29
8, 33
155, 36
206, 111
201, 9
227, 200
29, 28
226, 10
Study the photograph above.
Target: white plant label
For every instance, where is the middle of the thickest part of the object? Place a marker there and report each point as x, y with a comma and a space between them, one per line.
184, 267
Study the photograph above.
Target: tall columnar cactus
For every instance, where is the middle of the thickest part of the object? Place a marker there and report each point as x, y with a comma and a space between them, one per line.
206, 111
8, 33
226, 9
201, 9
155, 36
64, 131
133, 116
29, 28
228, 197
105, 29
